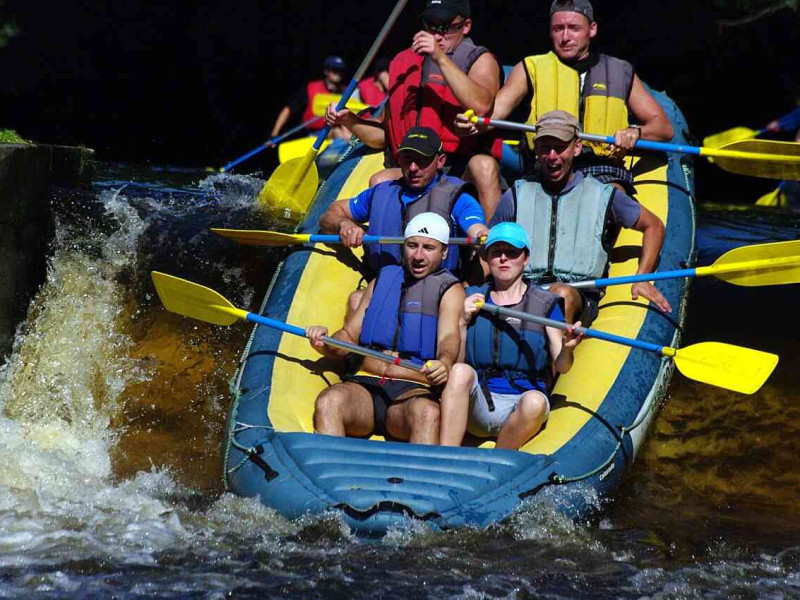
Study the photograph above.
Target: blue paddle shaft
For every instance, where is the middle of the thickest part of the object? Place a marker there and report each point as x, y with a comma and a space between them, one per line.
387, 27
677, 274
590, 333
603, 139
376, 239
298, 331
269, 143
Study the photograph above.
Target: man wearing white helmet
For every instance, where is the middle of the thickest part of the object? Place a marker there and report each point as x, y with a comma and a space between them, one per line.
411, 311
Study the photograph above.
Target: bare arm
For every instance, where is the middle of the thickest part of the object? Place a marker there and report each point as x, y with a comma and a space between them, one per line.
507, 99
652, 229
477, 89
561, 345
448, 336
338, 220
653, 119
283, 116
369, 131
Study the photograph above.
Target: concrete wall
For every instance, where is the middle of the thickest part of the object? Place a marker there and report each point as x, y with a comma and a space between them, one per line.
26, 222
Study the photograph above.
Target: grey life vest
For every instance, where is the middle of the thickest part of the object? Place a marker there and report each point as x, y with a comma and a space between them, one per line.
566, 230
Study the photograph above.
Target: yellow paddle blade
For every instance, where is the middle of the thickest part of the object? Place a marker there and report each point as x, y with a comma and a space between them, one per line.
763, 264
736, 134
298, 148
775, 199
253, 237
726, 366
321, 102
759, 158
192, 300
291, 188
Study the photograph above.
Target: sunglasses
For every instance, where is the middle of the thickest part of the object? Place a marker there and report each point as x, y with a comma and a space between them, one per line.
443, 28
511, 252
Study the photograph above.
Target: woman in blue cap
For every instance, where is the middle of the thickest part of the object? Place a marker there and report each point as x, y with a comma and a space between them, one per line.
499, 389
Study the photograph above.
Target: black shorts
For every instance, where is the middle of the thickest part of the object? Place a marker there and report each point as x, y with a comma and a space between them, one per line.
386, 392
590, 306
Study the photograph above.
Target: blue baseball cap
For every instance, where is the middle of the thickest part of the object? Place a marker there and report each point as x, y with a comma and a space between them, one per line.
510, 233
334, 63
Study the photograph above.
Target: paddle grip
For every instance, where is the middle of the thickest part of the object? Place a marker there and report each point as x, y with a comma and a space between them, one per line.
590, 333
298, 331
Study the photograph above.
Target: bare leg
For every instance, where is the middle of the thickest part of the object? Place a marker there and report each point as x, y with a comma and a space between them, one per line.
484, 173
386, 175
573, 303
415, 420
344, 409
524, 423
455, 405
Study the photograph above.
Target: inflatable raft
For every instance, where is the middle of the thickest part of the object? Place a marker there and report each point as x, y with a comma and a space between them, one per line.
601, 409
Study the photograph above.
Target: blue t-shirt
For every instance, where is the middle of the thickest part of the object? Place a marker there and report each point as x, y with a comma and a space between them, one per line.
501, 385
467, 210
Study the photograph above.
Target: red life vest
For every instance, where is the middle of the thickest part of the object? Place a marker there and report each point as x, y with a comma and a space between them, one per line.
370, 92
435, 106
312, 89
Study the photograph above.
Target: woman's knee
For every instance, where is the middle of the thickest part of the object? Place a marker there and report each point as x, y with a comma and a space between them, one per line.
461, 375
533, 405
483, 167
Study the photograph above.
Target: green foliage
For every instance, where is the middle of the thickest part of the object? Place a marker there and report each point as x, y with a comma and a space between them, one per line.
9, 136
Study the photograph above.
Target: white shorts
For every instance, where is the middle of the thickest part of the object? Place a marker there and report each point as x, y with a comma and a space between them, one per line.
484, 423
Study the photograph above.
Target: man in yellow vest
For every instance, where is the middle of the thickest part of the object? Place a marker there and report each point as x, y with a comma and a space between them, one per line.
603, 92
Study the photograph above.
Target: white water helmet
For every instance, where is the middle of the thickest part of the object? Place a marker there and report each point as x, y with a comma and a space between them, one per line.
429, 225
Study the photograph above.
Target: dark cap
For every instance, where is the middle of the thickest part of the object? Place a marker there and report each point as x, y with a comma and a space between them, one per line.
380, 64
443, 11
334, 63
422, 140
579, 6
558, 124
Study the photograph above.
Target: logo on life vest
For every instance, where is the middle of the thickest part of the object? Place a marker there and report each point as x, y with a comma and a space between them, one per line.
414, 303
513, 321
599, 86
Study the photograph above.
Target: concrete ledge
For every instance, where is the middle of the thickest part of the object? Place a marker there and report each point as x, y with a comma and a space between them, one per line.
27, 173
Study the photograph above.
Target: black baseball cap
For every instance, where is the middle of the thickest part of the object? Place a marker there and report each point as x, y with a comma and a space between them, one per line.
443, 11
579, 6
422, 140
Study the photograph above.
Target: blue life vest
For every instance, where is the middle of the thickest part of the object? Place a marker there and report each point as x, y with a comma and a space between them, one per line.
388, 217
500, 346
403, 315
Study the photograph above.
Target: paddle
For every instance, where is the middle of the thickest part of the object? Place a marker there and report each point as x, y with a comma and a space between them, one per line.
253, 237
774, 199
722, 365
757, 158
293, 185
762, 264
204, 304
737, 134
321, 102
268, 144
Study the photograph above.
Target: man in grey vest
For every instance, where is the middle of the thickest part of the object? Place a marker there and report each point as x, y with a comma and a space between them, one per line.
573, 221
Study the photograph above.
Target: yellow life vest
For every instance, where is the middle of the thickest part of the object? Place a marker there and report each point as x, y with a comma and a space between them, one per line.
605, 93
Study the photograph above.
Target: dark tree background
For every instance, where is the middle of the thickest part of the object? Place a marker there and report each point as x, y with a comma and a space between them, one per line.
199, 83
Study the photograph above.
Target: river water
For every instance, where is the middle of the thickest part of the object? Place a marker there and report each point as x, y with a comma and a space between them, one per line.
113, 412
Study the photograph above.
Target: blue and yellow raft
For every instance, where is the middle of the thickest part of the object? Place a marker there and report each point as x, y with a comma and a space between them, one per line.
601, 409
